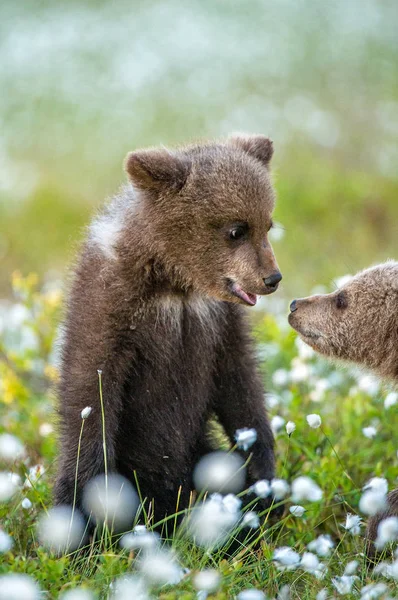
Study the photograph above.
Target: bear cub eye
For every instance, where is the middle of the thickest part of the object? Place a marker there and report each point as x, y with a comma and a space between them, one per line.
238, 232
341, 300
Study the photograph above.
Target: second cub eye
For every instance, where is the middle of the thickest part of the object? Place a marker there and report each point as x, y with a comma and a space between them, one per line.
238, 232
341, 300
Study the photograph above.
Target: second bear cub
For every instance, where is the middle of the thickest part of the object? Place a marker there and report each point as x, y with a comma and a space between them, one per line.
156, 305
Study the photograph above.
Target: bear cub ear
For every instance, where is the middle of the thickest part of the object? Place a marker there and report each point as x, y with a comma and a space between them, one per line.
258, 146
157, 170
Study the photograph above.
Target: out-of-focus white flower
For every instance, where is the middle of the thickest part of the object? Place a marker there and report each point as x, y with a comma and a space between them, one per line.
303, 488
252, 594
372, 502
369, 384
147, 540
16, 479
300, 371
389, 570
391, 399
353, 524
318, 393
296, 510
261, 488
322, 545
245, 438
284, 593
310, 563
280, 488
111, 500
6, 542
207, 581
377, 484
314, 421
277, 233
160, 568
305, 352
277, 423
140, 529
290, 427
11, 448
387, 531
271, 401
45, 429
26, 504
7, 487
351, 567
286, 558
61, 529
128, 587
220, 472
344, 583
373, 591
86, 412
251, 519
369, 432
281, 377
210, 524
35, 473
322, 594
18, 586
77, 594
232, 503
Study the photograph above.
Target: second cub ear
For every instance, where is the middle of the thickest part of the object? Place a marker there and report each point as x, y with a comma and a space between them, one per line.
258, 146
157, 170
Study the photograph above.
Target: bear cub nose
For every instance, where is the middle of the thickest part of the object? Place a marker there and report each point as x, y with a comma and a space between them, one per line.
293, 306
273, 279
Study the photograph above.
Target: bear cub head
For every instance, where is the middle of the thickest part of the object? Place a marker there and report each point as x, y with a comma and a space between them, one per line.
205, 211
357, 323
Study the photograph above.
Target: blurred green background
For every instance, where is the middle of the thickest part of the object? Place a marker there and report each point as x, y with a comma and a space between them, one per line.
83, 82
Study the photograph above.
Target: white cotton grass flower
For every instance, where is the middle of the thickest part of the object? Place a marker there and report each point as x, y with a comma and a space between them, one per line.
377, 484
7, 487
317, 394
310, 563
353, 524
61, 529
296, 510
391, 399
284, 593
251, 594
271, 400
277, 422
261, 488
374, 591
389, 570
322, 594
281, 377
211, 523
245, 438
387, 531
86, 412
286, 558
344, 583
300, 371
369, 432
11, 448
290, 427
232, 503
18, 586
251, 519
128, 587
322, 545
34, 475
372, 502
111, 500
314, 421
280, 488
208, 581
6, 542
351, 567
45, 429
220, 472
369, 384
26, 504
303, 488
77, 594
160, 568
145, 541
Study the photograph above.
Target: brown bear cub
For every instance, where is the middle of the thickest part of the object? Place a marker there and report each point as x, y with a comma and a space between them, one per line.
357, 323
156, 305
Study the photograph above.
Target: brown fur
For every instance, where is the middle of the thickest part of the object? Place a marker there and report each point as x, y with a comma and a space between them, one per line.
357, 323
152, 306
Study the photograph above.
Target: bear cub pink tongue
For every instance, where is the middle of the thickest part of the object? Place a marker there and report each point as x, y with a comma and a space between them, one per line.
250, 299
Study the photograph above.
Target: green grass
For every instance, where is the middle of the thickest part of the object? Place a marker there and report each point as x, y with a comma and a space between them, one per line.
337, 456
